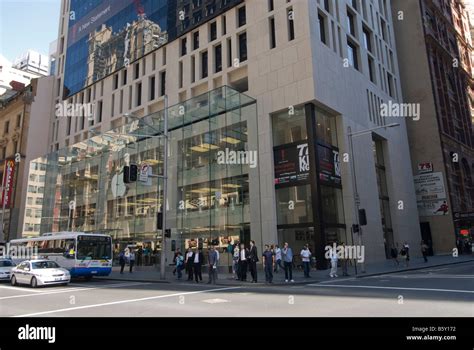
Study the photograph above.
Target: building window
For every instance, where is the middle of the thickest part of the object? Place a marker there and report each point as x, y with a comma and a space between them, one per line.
352, 54
196, 40
272, 33
100, 105
289, 128
213, 31
204, 64
163, 83
116, 80
224, 25
183, 46
371, 70
6, 128
218, 58
18, 120
243, 47
322, 29
367, 36
180, 74
326, 6
138, 95
242, 16
351, 23
193, 69
152, 87
137, 71
229, 52
271, 5
291, 24
124, 77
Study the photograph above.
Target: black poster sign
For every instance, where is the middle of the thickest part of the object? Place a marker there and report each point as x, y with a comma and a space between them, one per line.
329, 165
291, 164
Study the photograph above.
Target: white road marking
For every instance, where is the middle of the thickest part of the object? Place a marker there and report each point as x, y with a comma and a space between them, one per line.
24, 289
432, 276
216, 301
338, 280
69, 290
125, 301
395, 288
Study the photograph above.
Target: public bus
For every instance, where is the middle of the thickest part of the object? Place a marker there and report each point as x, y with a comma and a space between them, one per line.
83, 254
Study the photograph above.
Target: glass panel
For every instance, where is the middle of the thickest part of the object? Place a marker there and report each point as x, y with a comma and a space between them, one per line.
294, 205
288, 127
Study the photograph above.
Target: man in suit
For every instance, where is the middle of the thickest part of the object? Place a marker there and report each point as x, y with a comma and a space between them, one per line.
253, 259
212, 259
198, 260
243, 261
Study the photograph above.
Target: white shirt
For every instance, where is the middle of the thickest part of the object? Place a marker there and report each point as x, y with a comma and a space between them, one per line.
189, 255
196, 258
242, 254
305, 255
218, 255
277, 254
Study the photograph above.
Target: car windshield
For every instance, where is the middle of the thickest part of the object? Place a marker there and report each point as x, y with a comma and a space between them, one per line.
45, 265
6, 263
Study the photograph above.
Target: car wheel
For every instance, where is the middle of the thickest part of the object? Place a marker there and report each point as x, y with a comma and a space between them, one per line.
34, 282
13, 281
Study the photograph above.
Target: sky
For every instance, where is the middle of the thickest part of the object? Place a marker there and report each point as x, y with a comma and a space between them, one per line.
27, 24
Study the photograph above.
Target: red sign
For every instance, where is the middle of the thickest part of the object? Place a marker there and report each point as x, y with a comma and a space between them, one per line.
464, 232
8, 176
425, 168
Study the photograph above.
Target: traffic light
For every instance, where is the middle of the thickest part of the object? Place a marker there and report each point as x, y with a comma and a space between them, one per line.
355, 228
168, 233
362, 217
130, 173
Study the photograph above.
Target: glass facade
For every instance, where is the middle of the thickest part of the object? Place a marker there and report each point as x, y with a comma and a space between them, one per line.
106, 35
208, 195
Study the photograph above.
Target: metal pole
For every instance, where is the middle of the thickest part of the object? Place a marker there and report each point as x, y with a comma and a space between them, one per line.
165, 194
356, 193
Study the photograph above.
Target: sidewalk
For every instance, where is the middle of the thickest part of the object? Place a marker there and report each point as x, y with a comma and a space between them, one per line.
152, 273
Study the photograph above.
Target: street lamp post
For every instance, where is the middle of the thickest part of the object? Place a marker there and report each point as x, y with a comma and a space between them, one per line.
350, 136
165, 194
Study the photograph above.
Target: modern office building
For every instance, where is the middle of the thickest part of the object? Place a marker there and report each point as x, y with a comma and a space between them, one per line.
33, 62
441, 141
261, 98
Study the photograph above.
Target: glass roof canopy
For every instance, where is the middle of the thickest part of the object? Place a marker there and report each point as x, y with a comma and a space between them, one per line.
205, 106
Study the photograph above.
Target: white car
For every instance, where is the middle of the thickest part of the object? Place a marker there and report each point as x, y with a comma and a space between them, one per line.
6, 266
39, 273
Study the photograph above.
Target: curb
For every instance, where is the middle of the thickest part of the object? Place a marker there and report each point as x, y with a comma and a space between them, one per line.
245, 284
412, 269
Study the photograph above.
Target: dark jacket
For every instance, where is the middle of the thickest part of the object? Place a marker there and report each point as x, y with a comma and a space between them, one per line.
201, 258
253, 255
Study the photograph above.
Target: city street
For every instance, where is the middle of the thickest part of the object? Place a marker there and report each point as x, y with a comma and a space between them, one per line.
438, 291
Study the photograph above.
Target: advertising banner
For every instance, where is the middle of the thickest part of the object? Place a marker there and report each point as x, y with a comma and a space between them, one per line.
8, 177
329, 165
429, 187
291, 164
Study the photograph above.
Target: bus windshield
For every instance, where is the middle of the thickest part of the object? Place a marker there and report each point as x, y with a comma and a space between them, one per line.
93, 248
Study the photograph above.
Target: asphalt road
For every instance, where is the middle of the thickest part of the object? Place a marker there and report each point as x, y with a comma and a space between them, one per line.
441, 292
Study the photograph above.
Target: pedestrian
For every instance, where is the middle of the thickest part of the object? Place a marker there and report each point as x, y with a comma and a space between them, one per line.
253, 259
131, 259
139, 256
305, 255
405, 252
268, 261
212, 261
334, 259
424, 251
243, 260
345, 261
394, 255
198, 259
235, 262
176, 253
122, 261
277, 252
189, 264
287, 255
179, 264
